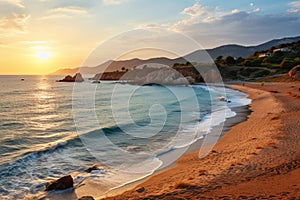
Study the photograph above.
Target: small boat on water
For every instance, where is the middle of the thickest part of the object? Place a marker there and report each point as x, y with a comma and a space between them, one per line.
22, 79
96, 82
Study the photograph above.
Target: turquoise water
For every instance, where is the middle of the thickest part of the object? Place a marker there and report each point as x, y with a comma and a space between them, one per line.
49, 129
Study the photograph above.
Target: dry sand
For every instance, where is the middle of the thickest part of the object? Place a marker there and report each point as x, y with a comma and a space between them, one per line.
256, 159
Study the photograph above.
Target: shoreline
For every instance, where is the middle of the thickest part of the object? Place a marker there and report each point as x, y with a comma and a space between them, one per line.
241, 114
247, 155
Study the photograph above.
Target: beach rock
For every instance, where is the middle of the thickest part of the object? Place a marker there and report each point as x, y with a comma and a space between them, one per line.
140, 190
90, 169
86, 198
295, 72
96, 82
214, 151
76, 78
60, 184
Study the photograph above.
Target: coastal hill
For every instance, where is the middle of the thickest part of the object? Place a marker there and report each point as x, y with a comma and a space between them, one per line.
197, 56
112, 66
242, 51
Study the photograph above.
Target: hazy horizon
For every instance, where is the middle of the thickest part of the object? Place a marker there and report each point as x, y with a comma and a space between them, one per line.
141, 58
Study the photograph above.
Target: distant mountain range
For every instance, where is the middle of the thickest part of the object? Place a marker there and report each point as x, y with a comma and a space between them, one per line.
202, 56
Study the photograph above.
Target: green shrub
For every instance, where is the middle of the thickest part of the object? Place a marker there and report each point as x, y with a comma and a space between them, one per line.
262, 73
252, 62
288, 63
247, 71
229, 60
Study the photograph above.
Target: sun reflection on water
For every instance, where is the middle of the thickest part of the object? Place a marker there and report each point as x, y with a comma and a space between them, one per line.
44, 100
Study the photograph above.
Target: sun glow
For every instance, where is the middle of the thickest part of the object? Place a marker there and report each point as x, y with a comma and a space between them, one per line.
43, 55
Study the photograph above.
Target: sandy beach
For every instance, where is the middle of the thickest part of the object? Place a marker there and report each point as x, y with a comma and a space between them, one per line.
256, 159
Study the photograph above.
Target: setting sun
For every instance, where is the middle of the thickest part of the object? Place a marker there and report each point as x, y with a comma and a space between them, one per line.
43, 55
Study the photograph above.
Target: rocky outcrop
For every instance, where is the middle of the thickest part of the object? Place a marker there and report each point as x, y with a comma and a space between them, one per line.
295, 72
76, 78
109, 76
165, 77
60, 184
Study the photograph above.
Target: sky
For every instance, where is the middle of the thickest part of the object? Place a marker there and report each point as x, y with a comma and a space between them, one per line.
41, 36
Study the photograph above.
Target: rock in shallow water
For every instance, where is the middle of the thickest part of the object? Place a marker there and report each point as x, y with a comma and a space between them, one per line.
60, 184
76, 78
90, 169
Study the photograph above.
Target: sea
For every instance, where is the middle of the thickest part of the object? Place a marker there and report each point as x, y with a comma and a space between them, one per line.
49, 129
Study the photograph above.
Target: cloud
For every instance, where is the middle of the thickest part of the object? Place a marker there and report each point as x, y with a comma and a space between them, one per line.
235, 11
17, 3
37, 42
243, 27
55, 16
295, 7
212, 27
65, 12
153, 26
114, 2
196, 14
70, 10
14, 24
195, 10
256, 10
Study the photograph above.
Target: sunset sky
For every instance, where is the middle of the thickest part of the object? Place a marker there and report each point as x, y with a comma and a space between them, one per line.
41, 36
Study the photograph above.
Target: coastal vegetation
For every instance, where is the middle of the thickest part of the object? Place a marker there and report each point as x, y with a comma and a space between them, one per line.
275, 61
